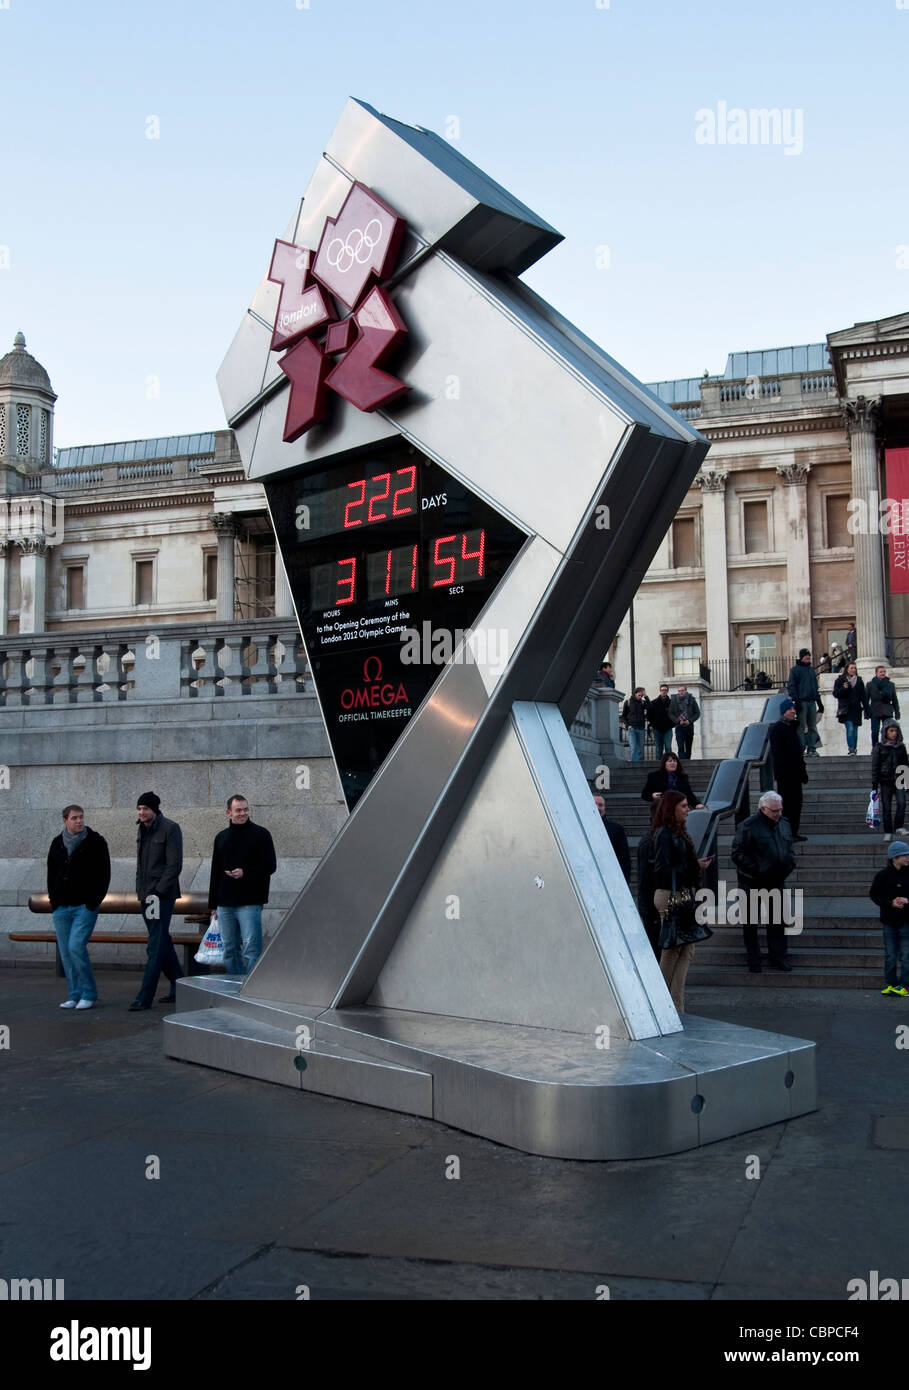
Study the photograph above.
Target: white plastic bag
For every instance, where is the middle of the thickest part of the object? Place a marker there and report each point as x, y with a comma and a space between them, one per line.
211, 947
873, 814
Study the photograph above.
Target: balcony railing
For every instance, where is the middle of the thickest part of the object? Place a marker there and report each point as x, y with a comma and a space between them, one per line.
199, 662
742, 673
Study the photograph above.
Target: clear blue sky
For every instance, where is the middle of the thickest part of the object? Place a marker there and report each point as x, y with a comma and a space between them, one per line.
131, 258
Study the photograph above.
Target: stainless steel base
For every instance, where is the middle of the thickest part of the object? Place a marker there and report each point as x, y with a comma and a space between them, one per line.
558, 1094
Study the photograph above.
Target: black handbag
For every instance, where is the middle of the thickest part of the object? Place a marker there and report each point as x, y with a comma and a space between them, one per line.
678, 924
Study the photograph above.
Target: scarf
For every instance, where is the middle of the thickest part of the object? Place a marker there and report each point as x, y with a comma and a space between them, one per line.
71, 841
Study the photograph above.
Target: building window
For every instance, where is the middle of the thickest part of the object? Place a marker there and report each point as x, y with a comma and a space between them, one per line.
23, 415
42, 436
836, 517
686, 659
265, 582
210, 560
75, 586
684, 546
144, 582
2, 430
760, 647
755, 527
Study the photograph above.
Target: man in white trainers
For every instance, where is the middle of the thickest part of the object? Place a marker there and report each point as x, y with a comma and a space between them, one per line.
78, 877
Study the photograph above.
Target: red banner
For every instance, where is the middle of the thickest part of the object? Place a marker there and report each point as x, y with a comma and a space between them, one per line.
896, 475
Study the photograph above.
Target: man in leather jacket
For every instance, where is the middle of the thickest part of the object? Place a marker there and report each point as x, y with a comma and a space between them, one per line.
882, 701
763, 853
788, 765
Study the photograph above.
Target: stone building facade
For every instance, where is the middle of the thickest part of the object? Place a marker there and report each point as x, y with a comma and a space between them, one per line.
765, 556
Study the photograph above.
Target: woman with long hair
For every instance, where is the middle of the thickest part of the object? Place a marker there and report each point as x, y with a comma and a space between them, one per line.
676, 867
670, 776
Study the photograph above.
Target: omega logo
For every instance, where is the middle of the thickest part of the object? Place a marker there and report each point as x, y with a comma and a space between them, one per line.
373, 694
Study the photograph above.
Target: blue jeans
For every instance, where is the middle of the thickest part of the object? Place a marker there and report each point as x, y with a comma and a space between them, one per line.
636, 744
234, 923
851, 733
161, 958
662, 742
74, 926
896, 946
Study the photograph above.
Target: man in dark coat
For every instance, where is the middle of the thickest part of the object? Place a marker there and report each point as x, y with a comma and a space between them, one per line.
763, 853
159, 859
78, 877
803, 690
242, 862
617, 837
789, 770
634, 716
882, 701
660, 722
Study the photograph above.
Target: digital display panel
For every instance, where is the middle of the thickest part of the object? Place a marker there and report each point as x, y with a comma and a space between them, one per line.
375, 550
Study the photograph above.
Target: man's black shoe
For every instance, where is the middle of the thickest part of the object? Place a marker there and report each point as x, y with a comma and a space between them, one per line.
168, 998
800, 839
136, 1005
780, 965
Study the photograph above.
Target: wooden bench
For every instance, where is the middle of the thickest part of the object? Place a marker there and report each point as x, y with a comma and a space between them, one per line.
192, 907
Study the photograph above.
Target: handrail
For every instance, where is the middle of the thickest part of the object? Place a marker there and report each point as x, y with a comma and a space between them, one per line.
728, 792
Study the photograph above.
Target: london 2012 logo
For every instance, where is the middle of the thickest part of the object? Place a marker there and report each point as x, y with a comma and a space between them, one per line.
357, 250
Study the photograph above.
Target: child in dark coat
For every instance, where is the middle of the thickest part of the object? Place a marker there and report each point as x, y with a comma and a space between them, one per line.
890, 890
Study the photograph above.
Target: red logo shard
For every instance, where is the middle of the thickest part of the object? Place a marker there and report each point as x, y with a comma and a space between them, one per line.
301, 306
360, 244
306, 368
357, 377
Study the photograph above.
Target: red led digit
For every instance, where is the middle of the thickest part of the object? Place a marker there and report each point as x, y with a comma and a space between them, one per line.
350, 579
413, 571
478, 555
388, 571
379, 497
443, 560
403, 491
354, 502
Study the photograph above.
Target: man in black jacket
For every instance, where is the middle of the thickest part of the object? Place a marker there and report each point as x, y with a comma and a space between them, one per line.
661, 723
882, 701
159, 859
242, 862
78, 877
617, 837
804, 691
763, 853
788, 765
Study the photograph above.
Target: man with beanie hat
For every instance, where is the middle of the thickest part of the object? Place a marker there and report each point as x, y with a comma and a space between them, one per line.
788, 764
159, 859
890, 890
803, 690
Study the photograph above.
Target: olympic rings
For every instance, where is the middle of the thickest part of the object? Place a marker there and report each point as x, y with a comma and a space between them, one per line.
342, 256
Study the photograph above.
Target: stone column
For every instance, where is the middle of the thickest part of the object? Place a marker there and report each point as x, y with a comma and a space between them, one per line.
32, 583
862, 417
798, 572
225, 525
716, 580
5, 544
283, 602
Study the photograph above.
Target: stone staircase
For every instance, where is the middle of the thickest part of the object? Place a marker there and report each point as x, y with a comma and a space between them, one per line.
840, 943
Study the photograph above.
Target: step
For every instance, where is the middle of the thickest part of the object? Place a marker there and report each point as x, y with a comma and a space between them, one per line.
728, 977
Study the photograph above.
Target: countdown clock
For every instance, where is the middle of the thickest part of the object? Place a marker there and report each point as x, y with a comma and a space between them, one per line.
387, 556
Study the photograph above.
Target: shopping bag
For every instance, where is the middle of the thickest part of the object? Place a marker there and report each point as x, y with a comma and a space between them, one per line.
873, 814
211, 947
